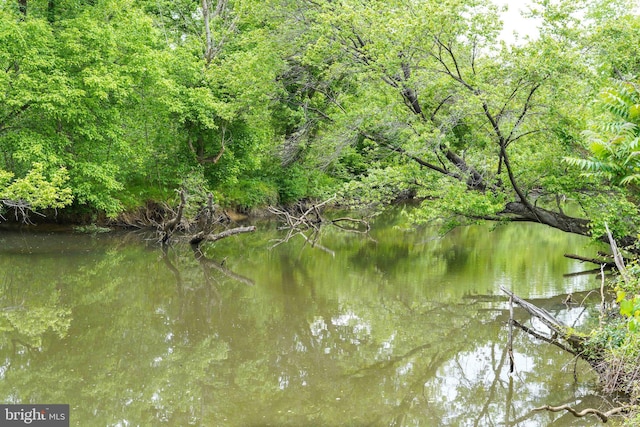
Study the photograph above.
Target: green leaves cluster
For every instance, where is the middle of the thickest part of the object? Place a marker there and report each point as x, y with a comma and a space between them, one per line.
39, 188
615, 141
630, 310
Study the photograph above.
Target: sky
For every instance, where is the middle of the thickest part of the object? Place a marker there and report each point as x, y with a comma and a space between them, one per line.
513, 21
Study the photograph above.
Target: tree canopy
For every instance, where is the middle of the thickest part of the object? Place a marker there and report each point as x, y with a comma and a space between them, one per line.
109, 103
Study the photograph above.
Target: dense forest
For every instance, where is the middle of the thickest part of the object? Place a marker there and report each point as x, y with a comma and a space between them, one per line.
110, 105
107, 105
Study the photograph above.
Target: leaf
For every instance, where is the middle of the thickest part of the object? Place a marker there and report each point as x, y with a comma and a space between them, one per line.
626, 307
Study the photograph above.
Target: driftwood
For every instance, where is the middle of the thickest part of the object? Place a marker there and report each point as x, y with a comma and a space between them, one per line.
202, 226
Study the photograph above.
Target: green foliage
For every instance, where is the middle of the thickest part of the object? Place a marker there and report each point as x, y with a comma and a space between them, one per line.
614, 209
630, 310
379, 186
129, 96
451, 205
39, 188
615, 141
247, 193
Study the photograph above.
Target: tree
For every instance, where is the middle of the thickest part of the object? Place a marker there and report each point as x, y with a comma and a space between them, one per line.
222, 69
475, 124
69, 85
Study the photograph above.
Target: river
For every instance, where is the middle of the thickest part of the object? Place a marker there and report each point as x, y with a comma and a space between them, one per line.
397, 328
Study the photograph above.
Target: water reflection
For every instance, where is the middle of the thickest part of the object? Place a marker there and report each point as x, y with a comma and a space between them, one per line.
398, 329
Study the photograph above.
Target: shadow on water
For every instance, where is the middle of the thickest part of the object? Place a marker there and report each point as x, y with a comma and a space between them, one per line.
401, 328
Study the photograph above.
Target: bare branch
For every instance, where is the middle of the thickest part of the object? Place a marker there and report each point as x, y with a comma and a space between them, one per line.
525, 109
169, 226
617, 256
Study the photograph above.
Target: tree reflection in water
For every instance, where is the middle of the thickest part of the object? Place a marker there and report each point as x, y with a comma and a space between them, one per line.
400, 330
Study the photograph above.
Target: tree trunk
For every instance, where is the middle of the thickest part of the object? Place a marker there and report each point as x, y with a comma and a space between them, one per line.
22, 6
550, 218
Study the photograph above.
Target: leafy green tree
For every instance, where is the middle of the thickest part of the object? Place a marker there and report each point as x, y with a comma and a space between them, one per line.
69, 86
476, 127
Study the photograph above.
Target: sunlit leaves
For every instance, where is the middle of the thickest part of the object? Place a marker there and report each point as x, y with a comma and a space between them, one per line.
40, 188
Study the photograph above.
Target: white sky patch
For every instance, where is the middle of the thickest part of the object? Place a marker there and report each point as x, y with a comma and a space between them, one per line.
516, 27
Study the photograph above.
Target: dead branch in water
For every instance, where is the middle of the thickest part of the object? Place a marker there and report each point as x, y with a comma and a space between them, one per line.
617, 256
561, 336
608, 264
210, 237
169, 226
306, 222
604, 416
564, 337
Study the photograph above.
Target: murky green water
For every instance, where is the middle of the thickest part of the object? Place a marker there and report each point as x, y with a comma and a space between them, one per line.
400, 328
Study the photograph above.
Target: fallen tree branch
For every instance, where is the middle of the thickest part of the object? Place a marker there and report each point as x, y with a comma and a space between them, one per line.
609, 264
604, 416
617, 256
539, 336
202, 236
575, 343
300, 219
